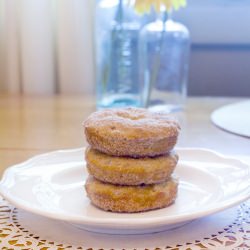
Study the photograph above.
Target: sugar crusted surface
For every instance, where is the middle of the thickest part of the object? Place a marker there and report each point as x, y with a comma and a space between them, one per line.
129, 199
134, 123
130, 171
131, 132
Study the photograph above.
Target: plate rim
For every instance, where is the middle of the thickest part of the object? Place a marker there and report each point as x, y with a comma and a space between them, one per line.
123, 222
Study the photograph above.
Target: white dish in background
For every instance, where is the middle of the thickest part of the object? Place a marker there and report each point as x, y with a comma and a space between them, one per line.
233, 118
52, 185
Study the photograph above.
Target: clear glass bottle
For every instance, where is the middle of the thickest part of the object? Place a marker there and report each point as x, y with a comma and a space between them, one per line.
164, 60
117, 55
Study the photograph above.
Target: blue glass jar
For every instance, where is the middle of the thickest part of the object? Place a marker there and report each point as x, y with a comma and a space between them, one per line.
164, 60
117, 54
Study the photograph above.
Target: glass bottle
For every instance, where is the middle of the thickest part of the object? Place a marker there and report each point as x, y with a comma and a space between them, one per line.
164, 60
117, 55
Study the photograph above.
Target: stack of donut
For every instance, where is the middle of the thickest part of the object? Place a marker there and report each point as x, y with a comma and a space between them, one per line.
131, 159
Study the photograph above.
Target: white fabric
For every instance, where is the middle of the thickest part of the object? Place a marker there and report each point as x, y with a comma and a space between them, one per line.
46, 46
1, 46
9, 41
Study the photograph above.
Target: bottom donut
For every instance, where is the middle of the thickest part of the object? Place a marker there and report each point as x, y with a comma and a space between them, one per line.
131, 199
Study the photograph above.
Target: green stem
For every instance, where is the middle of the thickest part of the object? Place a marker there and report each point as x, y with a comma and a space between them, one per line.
119, 14
157, 61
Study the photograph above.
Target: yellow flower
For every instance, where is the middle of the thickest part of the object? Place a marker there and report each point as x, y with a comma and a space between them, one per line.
143, 6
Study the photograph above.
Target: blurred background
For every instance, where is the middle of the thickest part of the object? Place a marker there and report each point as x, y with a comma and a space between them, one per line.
47, 46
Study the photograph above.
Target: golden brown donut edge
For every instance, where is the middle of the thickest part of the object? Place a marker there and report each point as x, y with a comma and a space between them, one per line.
131, 199
130, 171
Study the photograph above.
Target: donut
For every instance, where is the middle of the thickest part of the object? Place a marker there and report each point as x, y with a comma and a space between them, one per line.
132, 132
130, 171
131, 199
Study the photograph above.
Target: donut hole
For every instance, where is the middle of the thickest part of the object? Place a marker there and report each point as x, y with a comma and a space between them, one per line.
130, 116
113, 127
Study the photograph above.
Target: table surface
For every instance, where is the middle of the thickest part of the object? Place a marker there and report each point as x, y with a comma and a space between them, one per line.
34, 125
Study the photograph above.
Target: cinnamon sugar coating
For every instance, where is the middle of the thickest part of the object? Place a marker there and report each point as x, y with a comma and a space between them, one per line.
130, 171
131, 199
131, 132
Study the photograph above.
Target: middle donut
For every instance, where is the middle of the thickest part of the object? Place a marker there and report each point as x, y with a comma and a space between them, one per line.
130, 171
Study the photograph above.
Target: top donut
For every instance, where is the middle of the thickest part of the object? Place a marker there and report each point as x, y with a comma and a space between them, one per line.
132, 132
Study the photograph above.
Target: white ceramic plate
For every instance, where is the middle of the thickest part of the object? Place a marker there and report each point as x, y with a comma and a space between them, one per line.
52, 185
